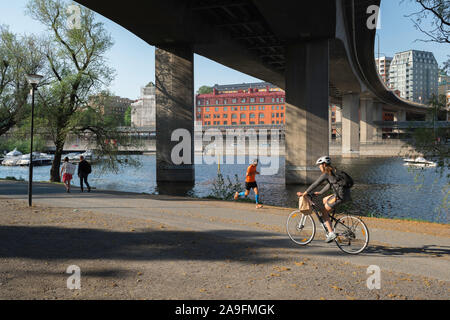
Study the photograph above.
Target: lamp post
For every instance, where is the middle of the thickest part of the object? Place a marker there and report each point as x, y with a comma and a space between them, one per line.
34, 80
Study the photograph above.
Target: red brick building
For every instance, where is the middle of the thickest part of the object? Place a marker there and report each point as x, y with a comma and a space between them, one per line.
241, 104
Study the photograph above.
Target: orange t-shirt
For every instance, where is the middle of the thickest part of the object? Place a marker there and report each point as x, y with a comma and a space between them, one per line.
251, 172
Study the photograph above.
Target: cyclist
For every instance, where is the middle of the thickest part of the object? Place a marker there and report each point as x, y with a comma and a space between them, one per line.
340, 193
250, 183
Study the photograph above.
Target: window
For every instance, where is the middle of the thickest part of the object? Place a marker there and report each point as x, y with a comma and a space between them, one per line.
282, 108
261, 115
199, 109
225, 116
225, 123
243, 122
207, 109
252, 115
234, 100
278, 107
261, 99
252, 122
252, 99
234, 116
278, 115
225, 109
243, 100
261, 122
217, 109
207, 102
233, 123
242, 115
281, 115
273, 99
224, 101
217, 101
282, 99
273, 115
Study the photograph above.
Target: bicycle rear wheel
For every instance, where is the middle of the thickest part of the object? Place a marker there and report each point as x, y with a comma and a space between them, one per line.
352, 234
300, 228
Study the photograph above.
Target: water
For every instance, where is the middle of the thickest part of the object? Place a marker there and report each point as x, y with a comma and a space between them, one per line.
383, 186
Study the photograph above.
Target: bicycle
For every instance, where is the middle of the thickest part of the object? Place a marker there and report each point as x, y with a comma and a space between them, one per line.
352, 233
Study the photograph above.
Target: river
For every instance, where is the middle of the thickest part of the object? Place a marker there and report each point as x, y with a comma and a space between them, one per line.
383, 186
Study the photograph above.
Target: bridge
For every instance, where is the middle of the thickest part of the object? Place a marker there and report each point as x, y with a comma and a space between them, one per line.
317, 51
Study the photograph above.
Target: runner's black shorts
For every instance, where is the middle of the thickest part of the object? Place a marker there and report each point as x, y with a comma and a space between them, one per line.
250, 185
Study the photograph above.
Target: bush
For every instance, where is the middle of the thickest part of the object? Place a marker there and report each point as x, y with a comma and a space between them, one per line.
225, 190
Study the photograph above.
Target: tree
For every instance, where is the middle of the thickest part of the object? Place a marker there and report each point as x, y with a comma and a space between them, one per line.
204, 90
76, 70
127, 117
18, 56
439, 29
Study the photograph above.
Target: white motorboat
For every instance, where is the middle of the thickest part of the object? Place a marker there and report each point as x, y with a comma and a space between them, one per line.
39, 159
14, 153
420, 161
11, 161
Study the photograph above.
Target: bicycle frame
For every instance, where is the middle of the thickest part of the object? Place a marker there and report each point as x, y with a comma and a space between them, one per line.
316, 211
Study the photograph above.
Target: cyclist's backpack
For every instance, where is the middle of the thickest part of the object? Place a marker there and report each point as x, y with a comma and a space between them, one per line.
344, 179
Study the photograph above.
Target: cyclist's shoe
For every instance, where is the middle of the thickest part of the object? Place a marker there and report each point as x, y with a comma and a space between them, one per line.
259, 206
330, 237
236, 195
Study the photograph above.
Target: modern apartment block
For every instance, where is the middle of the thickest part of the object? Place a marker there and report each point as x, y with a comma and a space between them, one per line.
241, 104
415, 74
383, 67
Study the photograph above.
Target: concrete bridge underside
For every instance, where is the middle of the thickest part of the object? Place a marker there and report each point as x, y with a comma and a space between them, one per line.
318, 51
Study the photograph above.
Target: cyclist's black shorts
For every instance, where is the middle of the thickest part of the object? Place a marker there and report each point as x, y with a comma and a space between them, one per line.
250, 185
332, 204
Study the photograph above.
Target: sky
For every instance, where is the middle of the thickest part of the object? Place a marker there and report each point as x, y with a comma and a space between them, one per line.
134, 59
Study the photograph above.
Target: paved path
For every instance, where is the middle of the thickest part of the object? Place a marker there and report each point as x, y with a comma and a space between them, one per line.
404, 252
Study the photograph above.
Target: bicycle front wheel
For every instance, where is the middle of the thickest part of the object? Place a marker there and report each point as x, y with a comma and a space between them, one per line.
352, 234
300, 228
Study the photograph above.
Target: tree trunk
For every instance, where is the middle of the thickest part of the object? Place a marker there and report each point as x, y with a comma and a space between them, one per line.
54, 171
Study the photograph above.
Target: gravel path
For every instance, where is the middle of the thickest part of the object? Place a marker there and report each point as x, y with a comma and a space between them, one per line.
131, 246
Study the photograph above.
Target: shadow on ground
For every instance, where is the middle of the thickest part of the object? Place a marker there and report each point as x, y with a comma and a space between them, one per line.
52, 243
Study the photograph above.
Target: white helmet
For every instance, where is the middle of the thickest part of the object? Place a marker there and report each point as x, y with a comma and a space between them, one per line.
324, 159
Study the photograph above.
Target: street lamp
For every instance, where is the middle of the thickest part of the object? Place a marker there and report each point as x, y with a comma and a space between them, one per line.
34, 80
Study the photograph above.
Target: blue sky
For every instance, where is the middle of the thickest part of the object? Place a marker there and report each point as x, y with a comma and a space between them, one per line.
134, 59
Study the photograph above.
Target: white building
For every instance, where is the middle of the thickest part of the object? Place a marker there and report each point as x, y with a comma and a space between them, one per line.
383, 67
143, 111
415, 74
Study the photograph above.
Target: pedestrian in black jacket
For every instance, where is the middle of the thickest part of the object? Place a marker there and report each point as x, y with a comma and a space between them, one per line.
84, 169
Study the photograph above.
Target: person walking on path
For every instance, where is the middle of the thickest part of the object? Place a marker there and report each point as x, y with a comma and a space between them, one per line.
250, 183
67, 172
84, 169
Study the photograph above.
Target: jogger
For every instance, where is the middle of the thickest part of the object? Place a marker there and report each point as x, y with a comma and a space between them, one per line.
250, 183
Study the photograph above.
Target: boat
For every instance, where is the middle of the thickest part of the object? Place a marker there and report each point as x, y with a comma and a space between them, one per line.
10, 161
39, 159
14, 153
420, 161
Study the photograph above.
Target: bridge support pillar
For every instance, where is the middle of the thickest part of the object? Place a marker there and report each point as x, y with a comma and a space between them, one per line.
366, 124
307, 103
174, 75
350, 125
378, 116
